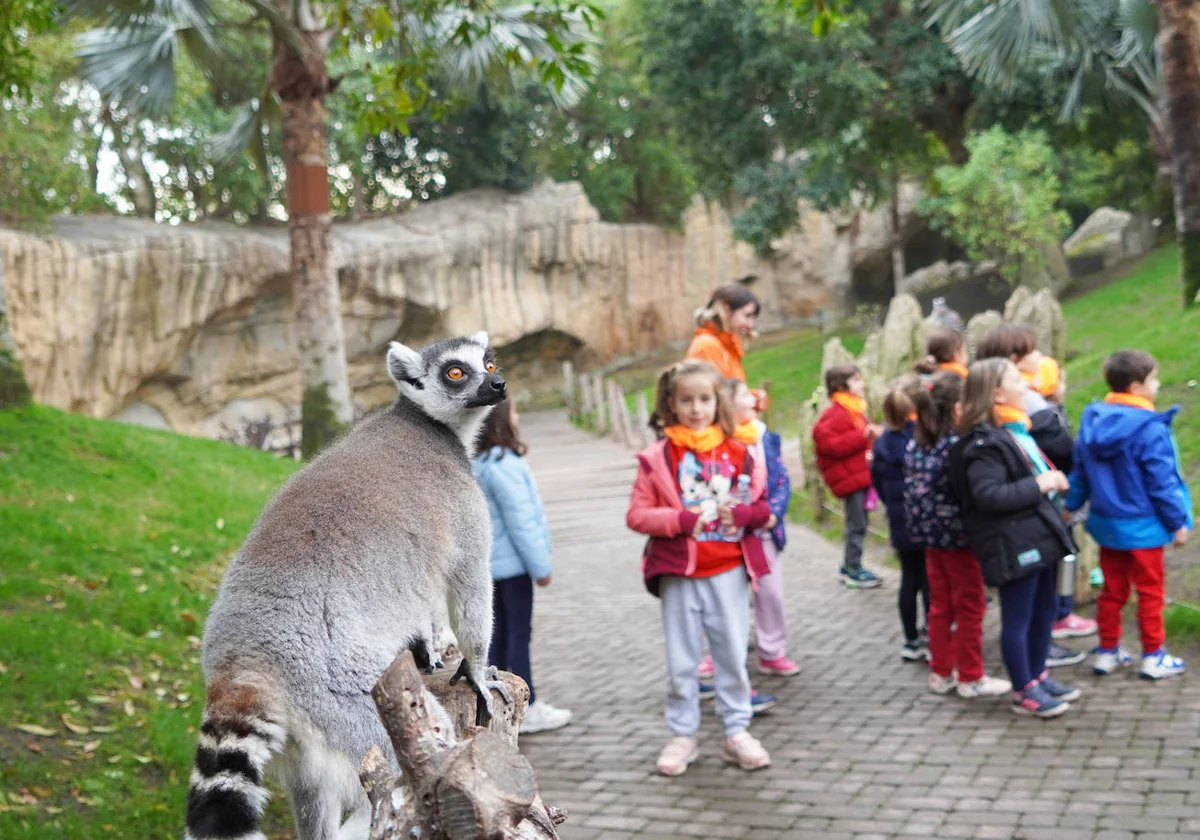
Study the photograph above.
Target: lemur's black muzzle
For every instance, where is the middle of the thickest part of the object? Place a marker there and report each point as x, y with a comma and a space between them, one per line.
491, 391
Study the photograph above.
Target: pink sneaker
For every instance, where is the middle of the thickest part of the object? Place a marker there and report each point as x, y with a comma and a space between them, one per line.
706, 671
744, 750
1072, 627
780, 666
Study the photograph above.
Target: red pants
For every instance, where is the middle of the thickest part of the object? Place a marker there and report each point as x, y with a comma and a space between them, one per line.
1141, 568
956, 607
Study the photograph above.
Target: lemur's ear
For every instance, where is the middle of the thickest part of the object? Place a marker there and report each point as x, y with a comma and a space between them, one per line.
480, 338
404, 365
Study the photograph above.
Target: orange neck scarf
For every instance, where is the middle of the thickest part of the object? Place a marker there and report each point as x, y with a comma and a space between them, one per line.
731, 342
1008, 414
705, 440
1045, 381
857, 406
954, 367
746, 433
1131, 400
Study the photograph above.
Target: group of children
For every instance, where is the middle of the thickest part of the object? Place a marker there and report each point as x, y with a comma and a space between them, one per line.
972, 469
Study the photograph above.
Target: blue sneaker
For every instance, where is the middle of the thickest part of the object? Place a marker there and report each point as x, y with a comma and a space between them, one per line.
1107, 660
859, 578
1035, 702
1058, 691
1161, 664
759, 702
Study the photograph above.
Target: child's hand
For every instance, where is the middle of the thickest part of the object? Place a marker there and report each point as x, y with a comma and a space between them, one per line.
543, 581
698, 528
1053, 481
725, 514
873, 430
772, 522
1181, 537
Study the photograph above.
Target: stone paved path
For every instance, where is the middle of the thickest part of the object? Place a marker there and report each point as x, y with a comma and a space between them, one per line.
860, 748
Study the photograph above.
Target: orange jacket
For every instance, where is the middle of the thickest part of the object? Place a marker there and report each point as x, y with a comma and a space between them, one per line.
721, 349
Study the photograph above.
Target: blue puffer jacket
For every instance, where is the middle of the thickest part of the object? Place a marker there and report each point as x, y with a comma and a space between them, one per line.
1127, 464
520, 536
779, 486
887, 477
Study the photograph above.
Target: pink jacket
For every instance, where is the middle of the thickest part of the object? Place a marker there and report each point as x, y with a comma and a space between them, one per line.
656, 510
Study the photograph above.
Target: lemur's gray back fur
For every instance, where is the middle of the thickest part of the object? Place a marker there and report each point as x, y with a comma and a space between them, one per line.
342, 571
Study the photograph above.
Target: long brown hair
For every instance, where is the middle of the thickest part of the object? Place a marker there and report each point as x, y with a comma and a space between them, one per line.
942, 346
979, 391
898, 405
499, 431
935, 408
665, 416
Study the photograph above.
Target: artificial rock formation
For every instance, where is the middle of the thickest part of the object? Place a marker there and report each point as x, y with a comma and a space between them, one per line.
191, 327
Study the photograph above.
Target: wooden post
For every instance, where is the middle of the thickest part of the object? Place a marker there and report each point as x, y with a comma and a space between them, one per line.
598, 385
615, 414
646, 436
568, 389
455, 781
586, 406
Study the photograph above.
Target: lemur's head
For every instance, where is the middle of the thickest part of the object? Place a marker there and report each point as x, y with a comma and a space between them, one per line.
455, 381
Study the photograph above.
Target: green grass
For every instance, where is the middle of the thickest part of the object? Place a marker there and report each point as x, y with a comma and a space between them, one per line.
114, 540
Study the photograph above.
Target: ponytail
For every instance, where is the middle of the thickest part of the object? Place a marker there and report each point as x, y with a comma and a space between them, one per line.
935, 408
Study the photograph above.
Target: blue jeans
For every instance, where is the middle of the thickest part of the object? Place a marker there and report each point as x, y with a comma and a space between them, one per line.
512, 627
1064, 606
1027, 612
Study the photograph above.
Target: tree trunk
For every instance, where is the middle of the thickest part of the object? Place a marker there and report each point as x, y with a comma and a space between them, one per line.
898, 270
14, 389
302, 83
1178, 42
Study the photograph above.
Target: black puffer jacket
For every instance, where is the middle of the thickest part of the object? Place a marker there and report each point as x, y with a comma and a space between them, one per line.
1049, 428
1013, 528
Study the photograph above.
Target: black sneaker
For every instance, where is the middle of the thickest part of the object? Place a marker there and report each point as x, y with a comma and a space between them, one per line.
915, 650
1059, 656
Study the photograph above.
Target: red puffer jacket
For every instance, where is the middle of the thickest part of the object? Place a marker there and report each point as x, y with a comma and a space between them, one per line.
842, 446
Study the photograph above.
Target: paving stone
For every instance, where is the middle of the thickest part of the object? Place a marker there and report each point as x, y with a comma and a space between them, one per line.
860, 747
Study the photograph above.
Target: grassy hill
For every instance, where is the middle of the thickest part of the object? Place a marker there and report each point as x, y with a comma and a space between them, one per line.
114, 538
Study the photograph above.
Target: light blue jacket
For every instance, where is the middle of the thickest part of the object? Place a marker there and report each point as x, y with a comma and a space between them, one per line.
520, 536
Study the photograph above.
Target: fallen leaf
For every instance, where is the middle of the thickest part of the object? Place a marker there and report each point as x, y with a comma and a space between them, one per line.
3, 668
136, 682
187, 616
142, 759
142, 590
90, 746
182, 698
115, 759
34, 729
128, 708
194, 641
33, 747
104, 730
22, 799
41, 791
52, 810
220, 524
70, 498
174, 549
99, 699
77, 728
154, 676
136, 572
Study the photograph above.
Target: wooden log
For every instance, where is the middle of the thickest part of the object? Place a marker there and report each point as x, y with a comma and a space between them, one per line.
643, 420
568, 389
456, 781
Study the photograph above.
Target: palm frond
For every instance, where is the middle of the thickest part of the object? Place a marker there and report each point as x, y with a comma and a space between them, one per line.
135, 64
244, 134
134, 14
994, 42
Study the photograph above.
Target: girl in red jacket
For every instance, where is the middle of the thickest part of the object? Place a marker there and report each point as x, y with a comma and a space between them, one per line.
701, 548
842, 438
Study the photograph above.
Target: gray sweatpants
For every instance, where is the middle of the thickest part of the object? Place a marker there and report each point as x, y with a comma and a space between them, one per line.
856, 529
716, 607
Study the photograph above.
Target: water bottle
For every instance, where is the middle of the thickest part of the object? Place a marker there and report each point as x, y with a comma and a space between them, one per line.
740, 495
1066, 575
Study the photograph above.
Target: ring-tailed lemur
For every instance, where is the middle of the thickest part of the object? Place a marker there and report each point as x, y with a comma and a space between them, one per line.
344, 569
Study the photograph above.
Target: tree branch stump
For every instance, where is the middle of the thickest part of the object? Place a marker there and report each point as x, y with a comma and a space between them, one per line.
456, 781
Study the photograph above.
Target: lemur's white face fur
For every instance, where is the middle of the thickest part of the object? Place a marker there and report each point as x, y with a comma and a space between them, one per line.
455, 381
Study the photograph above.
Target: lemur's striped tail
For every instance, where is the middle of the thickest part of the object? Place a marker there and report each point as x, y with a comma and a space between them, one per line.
238, 736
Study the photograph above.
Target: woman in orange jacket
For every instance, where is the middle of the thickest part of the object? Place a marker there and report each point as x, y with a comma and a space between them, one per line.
722, 326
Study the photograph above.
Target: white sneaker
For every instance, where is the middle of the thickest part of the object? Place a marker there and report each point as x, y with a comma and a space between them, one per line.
675, 757
985, 686
941, 685
1107, 660
744, 750
542, 717
1161, 664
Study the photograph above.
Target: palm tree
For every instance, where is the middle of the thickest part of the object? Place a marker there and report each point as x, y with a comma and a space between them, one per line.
132, 57
1120, 51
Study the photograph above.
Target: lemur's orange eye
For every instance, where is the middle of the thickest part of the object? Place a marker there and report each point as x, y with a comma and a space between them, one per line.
490, 367
455, 374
